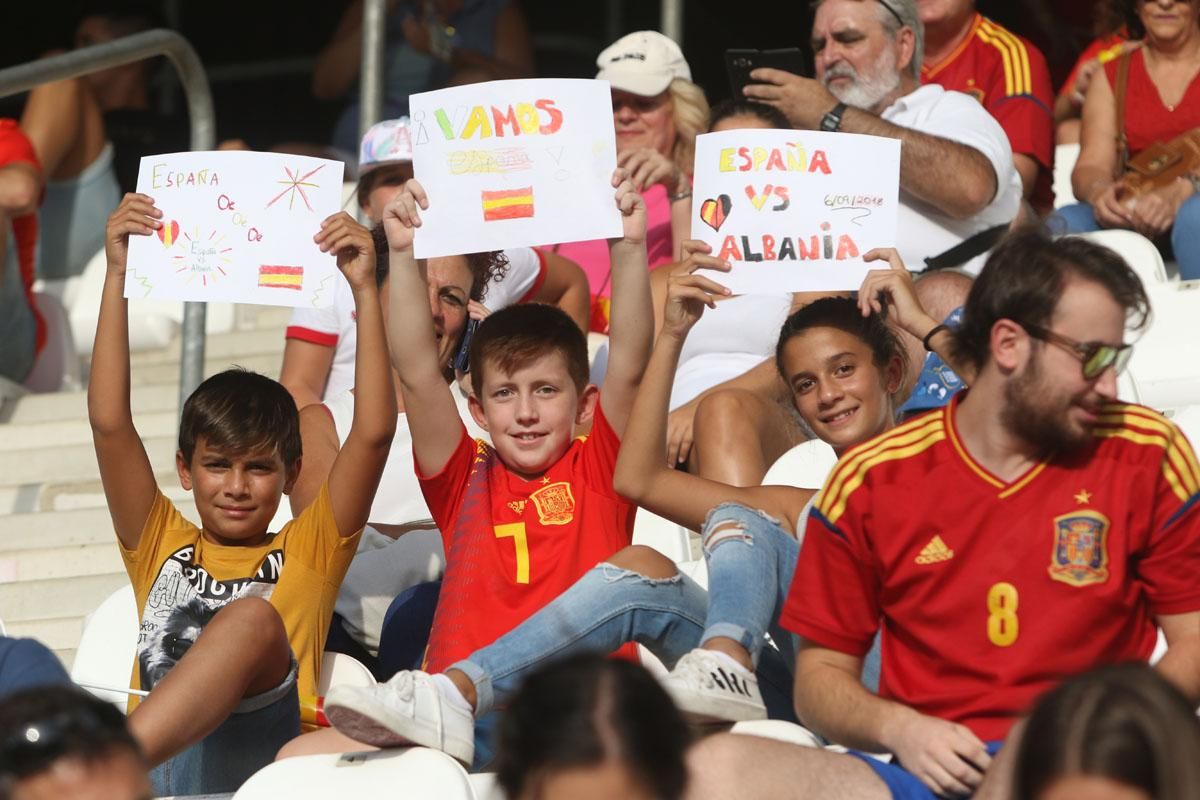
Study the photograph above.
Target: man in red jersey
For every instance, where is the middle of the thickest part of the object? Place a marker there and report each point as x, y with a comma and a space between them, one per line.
1031, 530
967, 52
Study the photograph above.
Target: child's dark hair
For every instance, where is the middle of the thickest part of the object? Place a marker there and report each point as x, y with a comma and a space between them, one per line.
1126, 723
514, 337
585, 710
40, 726
737, 107
239, 411
484, 267
843, 314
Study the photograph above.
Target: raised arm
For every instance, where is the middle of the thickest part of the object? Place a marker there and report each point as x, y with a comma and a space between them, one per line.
631, 318
642, 474
432, 415
955, 179
125, 471
305, 370
893, 288
354, 476
832, 701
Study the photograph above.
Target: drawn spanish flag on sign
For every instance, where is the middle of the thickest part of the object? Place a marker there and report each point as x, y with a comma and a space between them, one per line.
276, 277
508, 204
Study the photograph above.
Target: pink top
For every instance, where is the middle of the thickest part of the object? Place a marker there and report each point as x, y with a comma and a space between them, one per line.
592, 255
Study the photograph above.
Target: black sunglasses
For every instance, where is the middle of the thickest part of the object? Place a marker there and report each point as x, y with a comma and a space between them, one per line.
1094, 357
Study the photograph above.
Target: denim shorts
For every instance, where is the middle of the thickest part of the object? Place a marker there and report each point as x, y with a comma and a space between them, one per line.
240, 746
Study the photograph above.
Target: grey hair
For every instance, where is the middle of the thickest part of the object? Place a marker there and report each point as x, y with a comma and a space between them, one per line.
903, 13
897, 14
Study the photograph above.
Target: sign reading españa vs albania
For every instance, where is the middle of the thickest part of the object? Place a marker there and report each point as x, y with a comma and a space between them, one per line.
795, 210
514, 163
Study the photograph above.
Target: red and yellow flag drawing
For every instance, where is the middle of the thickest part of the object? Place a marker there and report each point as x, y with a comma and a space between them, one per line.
276, 277
508, 204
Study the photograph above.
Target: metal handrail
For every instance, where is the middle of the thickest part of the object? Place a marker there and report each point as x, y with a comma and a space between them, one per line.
183, 57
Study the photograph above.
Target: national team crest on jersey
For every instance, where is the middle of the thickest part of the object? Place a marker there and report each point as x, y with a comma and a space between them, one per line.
1080, 555
554, 503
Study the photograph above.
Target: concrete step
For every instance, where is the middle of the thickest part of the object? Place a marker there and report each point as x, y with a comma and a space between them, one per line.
74, 495
222, 346
50, 529
61, 562
57, 598
168, 371
72, 406
57, 634
29, 436
75, 462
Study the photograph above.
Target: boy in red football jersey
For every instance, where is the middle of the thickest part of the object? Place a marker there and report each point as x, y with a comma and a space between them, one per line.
1033, 529
524, 518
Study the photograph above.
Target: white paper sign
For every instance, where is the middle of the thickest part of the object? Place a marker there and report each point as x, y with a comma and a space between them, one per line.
237, 227
513, 164
795, 210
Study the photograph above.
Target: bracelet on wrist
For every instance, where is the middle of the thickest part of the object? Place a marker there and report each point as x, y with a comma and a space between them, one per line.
934, 331
684, 195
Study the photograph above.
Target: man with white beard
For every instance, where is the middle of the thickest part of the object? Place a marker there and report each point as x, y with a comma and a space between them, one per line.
958, 187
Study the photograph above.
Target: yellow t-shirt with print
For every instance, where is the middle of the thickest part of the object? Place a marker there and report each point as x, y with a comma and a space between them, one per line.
180, 581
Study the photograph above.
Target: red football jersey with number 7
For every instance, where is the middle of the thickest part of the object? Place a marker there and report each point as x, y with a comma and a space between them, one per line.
989, 593
513, 545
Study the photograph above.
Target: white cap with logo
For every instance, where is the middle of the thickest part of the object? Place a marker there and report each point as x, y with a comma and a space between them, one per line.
642, 63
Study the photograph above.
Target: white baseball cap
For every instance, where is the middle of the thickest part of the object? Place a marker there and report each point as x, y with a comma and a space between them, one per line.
643, 63
385, 142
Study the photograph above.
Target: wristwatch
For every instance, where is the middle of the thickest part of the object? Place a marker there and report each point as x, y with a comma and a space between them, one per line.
833, 120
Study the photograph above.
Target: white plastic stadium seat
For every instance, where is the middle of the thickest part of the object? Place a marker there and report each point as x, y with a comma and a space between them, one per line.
1065, 156
806, 465
1137, 250
1164, 375
105, 654
339, 669
409, 772
672, 540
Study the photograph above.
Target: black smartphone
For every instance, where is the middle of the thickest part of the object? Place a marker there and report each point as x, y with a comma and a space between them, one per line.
740, 63
462, 359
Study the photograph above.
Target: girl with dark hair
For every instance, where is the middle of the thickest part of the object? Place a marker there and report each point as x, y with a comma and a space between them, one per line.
589, 726
1118, 732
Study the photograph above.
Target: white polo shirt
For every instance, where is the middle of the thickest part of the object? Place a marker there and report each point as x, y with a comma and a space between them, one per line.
334, 326
922, 230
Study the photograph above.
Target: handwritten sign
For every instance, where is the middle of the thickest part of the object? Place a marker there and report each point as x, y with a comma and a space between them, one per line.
514, 163
237, 227
795, 210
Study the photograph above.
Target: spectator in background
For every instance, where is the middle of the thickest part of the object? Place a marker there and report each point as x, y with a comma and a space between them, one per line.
588, 726
60, 742
657, 113
959, 190
967, 52
318, 359
1121, 732
1112, 41
429, 43
22, 329
1161, 101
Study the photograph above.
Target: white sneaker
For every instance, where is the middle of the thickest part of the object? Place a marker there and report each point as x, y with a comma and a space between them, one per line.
706, 687
408, 709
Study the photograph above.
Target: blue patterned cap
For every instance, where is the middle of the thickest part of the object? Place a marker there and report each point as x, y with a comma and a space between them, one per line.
937, 383
386, 142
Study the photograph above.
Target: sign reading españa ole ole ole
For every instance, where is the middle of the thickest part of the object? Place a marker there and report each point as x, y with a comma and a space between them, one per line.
795, 210
514, 163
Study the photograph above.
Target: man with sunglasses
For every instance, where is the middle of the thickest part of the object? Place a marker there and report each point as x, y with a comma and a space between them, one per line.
1032, 529
958, 187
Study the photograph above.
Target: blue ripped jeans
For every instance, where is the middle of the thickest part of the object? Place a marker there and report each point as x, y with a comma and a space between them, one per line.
750, 565
1184, 235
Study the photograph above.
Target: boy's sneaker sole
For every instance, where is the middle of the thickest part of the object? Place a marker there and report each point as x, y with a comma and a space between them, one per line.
356, 713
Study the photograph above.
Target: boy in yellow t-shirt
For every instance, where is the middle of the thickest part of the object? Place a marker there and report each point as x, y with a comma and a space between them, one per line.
233, 617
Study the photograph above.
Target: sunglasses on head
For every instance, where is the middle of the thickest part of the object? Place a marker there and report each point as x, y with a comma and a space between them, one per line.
1094, 357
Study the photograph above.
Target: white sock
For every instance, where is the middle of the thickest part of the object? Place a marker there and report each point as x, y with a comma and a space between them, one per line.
729, 661
451, 692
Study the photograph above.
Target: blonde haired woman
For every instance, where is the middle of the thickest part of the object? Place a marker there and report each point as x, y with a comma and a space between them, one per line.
657, 114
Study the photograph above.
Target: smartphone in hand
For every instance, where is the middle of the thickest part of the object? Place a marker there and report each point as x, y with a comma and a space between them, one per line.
740, 63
